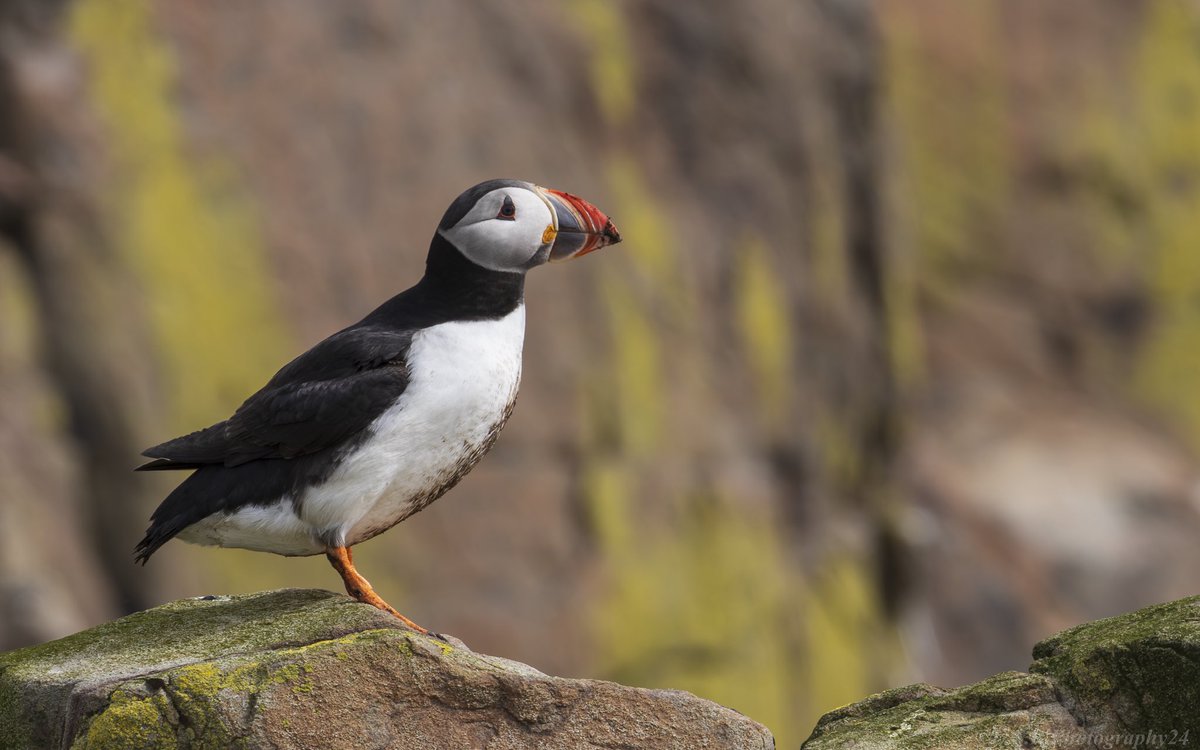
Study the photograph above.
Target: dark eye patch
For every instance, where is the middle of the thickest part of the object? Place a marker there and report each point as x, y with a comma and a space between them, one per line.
508, 210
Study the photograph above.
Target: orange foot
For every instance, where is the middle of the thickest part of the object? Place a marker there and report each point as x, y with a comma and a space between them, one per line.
359, 588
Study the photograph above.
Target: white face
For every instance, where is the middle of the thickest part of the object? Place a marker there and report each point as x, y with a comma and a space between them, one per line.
508, 229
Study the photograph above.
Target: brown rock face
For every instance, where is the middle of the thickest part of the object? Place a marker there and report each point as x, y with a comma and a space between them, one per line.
307, 669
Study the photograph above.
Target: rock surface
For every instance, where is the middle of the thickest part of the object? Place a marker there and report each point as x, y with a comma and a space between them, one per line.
1125, 682
307, 669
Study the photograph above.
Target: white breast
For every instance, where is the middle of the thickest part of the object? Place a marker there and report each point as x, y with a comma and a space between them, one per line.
463, 378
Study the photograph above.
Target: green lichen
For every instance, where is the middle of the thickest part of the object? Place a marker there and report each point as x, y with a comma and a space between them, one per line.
602, 27
951, 179
950, 127
698, 594
194, 689
637, 370
1001, 693
180, 221
295, 675
197, 689
18, 322
1166, 133
236, 647
1003, 711
905, 336
1145, 664
16, 729
234, 697
1133, 148
130, 722
826, 224
607, 489
764, 321
197, 627
848, 648
1136, 674
881, 701
728, 623
1101, 147
640, 218
716, 594
839, 449
649, 306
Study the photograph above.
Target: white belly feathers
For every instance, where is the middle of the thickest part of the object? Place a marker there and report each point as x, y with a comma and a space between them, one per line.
463, 379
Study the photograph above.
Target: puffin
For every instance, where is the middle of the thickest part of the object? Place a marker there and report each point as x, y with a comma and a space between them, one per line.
380, 419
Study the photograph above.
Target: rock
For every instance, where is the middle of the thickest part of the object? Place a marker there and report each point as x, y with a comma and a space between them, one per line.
309, 669
1131, 681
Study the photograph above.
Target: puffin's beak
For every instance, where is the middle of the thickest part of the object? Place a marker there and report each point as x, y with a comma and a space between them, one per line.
582, 227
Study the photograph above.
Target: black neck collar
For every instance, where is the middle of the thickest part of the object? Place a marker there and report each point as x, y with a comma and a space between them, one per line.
453, 288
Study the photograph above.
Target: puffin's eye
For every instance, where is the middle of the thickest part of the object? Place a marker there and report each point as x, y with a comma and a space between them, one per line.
508, 211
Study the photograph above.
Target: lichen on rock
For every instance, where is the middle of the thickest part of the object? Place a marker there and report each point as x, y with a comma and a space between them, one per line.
1131, 680
299, 668
1134, 674
1007, 710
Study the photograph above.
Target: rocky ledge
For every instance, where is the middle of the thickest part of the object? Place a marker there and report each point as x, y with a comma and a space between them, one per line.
309, 669
1128, 682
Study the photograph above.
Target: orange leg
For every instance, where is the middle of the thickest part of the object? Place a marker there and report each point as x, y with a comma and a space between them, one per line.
359, 588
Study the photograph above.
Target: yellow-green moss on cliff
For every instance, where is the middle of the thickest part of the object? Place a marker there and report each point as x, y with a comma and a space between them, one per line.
948, 181
1136, 148
602, 26
711, 604
952, 152
179, 219
698, 590
764, 322
18, 320
1166, 130
130, 722
700, 606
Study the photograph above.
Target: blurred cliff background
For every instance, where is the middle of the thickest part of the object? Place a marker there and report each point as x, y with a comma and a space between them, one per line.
897, 372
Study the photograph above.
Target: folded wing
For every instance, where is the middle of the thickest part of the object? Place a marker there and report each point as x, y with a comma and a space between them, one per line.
321, 399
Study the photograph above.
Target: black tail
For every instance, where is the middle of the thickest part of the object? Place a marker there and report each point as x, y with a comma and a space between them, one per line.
214, 488
157, 535
180, 509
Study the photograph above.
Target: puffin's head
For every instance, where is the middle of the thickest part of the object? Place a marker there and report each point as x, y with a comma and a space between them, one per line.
511, 225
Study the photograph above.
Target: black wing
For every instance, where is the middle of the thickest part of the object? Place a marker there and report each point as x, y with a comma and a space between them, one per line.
321, 399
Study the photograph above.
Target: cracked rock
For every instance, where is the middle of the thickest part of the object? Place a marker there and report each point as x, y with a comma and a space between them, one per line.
306, 669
